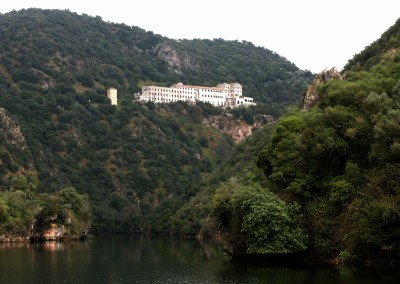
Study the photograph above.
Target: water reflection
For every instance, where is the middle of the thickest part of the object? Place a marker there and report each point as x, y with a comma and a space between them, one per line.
153, 260
50, 246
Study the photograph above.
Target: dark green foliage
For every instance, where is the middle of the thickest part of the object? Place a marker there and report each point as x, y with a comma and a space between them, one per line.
246, 113
339, 161
151, 168
120, 157
65, 52
18, 210
22, 208
203, 141
373, 54
194, 217
259, 218
277, 81
54, 70
341, 158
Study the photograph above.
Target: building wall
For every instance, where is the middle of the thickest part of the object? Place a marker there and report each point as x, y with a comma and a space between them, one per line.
224, 95
112, 95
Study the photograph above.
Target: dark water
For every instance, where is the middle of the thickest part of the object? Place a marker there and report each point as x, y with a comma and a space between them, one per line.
149, 260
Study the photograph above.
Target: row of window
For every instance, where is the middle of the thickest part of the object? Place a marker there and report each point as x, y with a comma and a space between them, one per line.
167, 91
211, 96
174, 96
163, 100
164, 94
183, 96
179, 90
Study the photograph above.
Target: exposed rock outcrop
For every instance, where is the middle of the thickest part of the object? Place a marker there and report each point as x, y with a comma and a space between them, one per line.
177, 60
11, 132
391, 53
312, 96
45, 81
12, 140
237, 129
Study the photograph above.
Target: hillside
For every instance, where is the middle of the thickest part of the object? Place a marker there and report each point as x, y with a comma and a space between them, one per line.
376, 51
327, 182
65, 52
132, 165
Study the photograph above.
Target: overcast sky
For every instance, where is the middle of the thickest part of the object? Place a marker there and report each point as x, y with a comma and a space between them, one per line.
313, 34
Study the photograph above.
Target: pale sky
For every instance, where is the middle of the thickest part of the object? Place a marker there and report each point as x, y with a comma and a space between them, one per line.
313, 34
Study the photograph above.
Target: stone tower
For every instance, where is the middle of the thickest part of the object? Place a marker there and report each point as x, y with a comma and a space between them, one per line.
112, 95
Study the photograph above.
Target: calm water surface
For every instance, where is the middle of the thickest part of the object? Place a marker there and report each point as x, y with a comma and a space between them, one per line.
149, 260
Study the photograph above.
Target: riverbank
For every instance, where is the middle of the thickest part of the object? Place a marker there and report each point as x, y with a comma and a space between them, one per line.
13, 239
19, 239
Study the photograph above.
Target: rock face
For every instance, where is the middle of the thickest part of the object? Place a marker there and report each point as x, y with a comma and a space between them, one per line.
53, 233
11, 132
177, 60
12, 140
45, 81
312, 97
237, 129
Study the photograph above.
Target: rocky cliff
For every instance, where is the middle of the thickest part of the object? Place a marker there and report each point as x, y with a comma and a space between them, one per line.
312, 96
175, 59
12, 145
10, 131
237, 129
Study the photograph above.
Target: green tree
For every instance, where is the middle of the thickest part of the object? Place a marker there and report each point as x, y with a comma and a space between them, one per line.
269, 224
20, 210
203, 141
257, 219
78, 209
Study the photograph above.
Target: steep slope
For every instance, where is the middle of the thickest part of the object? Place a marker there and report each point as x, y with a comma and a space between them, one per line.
265, 75
63, 51
376, 51
340, 159
335, 164
137, 163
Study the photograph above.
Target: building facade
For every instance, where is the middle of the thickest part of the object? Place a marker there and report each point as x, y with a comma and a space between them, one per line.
112, 95
223, 95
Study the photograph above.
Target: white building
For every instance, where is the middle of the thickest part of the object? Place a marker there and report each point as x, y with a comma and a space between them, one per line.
112, 95
224, 95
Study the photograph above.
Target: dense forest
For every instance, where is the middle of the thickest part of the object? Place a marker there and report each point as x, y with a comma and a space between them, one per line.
132, 166
323, 181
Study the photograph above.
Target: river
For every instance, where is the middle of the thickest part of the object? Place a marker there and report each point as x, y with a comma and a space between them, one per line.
155, 260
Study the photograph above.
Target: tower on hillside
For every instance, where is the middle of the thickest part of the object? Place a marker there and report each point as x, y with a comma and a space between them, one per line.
112, 95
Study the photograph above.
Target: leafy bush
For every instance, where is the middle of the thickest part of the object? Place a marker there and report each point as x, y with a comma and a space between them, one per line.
266, 223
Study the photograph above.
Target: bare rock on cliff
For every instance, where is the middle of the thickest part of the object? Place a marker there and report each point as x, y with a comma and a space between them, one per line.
45, 81
11, 132
12, 140
177, 60
237, 129
312, 96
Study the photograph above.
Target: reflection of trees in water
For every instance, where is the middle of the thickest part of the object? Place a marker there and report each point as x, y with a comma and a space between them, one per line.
12, 245
176, 250
139, 259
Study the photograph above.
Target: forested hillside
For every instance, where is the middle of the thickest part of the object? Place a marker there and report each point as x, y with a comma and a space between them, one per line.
65, 52
330, 175
130, 166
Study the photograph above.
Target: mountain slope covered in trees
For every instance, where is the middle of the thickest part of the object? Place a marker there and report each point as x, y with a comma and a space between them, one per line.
135, 164
66, 52
335, 167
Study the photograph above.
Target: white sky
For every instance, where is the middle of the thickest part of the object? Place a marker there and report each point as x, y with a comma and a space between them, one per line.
313, 34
